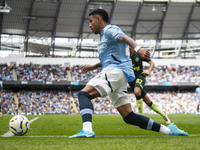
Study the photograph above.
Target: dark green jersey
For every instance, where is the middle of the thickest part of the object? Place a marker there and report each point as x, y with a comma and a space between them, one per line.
137, 63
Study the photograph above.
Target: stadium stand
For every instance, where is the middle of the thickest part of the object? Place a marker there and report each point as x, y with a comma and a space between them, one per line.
154, 29
35, 72
60, 102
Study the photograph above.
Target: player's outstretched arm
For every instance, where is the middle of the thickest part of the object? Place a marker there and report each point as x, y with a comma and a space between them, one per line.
87, 68
144, 54
152, 64
126, 39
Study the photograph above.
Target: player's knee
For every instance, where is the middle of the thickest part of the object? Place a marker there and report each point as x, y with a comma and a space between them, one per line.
84, 100
129, 118
137, 92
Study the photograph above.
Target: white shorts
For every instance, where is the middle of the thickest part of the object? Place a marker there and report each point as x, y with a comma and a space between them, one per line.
111, 82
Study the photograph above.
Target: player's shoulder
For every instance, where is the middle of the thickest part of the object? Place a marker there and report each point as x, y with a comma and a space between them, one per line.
112, 31
110, 28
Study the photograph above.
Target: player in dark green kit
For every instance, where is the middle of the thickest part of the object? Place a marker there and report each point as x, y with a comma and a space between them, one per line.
138, 85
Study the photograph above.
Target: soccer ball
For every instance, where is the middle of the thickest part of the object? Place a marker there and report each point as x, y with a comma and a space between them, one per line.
19, 125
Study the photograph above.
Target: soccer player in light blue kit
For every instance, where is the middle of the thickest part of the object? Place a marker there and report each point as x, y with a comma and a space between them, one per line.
198, 99
114, 50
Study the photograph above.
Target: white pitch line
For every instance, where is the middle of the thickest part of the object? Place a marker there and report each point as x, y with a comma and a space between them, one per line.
32, 120
10, 134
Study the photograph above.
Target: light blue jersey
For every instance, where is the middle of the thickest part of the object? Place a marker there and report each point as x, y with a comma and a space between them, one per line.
198, 93
112, 53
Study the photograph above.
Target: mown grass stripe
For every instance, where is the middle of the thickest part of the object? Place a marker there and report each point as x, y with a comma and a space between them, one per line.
100, 136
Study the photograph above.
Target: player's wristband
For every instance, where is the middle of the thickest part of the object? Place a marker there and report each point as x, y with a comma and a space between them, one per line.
137, 48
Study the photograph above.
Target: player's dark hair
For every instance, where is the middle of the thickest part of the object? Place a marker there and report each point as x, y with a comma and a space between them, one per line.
102, 13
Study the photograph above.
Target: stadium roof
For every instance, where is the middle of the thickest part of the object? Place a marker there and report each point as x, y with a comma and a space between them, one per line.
140, 19
145, 19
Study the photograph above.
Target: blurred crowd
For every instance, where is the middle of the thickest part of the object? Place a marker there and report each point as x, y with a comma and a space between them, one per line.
35, 72
78, 75
37, 102
32, 72
6, 72
174, 74
60, 102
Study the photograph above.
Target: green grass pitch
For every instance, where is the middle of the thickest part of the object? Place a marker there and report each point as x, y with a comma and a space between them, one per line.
52, 131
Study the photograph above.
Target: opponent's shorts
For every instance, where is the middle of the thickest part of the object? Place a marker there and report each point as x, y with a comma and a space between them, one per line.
111, 82
139, 82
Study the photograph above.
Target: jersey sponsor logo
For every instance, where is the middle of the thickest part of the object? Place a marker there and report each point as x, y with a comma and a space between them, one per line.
136, 68
101, 47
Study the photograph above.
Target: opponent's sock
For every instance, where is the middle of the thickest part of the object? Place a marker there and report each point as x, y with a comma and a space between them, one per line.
142, 121
139, 103
155, 108
86, 110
